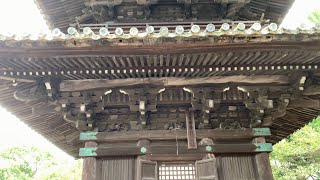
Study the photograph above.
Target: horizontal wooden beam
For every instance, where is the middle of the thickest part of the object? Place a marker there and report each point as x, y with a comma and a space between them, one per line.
175, 157
311, 90
63, 48
173, 149
87, 84
305, 103
216, 134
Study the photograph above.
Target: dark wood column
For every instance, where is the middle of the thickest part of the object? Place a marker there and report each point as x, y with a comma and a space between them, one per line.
89, 169
263, 170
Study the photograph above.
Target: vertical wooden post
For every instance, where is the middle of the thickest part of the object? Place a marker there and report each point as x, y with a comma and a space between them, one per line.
141, 143
264, 171
191, 130
89, 169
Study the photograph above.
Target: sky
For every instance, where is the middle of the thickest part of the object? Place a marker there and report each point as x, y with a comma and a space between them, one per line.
21, 16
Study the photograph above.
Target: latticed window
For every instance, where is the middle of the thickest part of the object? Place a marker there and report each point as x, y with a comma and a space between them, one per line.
184, 171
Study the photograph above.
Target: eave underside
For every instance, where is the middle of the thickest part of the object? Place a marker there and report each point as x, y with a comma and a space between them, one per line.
60, 14
65, 63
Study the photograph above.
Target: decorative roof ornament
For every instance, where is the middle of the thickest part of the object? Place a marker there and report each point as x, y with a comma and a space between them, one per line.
133, 31
255, 27
150, 29
271, 27
195, 29
164, 31
118, 31
103, 31
179, 30
210, 27
87, 31
225, 27
240, 27
72, 31
56, 32
303, 27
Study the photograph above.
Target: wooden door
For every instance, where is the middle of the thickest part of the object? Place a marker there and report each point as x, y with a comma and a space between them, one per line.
206, 169
147, 170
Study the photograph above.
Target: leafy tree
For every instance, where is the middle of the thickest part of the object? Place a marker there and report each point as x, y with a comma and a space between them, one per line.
30, 163
298, 156
315, 17
65, 173
24, 162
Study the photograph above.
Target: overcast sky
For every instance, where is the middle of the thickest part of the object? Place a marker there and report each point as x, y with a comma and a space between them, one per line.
20, 16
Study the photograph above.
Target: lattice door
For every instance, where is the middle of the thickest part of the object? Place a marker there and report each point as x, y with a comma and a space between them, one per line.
184, 171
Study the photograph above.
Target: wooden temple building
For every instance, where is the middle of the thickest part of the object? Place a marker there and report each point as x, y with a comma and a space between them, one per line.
164, 89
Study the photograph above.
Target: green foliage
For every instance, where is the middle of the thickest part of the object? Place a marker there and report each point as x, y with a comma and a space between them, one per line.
315, 17
65, 173
29, 163
298, 156
24, 162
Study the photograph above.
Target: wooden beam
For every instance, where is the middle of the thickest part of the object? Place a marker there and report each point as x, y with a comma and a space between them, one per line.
215, 134
305, 103
89, 169
311, 90
263, 171
175, 157
173, 149
88, 84
191, 130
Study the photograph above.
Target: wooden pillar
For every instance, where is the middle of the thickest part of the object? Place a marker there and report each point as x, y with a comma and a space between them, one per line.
263, 171
141, 143
89, 169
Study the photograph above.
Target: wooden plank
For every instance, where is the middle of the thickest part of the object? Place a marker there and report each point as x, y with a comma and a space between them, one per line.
305, 103
263, 171
207, 169
172, 149
89, 169
191, 130
148, 170
175, 157
215, 134
87, 84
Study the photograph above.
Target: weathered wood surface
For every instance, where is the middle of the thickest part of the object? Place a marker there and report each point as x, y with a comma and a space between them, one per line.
180, 149
264, 170
216, 134
81, 85
89, 169
191, 130
175, 157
